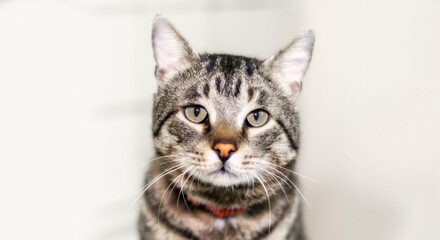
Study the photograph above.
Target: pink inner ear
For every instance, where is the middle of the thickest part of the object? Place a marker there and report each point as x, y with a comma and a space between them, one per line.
295, 87
160, 73
292, 75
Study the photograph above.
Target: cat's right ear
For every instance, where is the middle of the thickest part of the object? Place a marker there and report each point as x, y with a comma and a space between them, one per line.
171, 51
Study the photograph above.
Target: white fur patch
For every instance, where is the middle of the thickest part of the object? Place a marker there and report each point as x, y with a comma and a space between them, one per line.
219, 224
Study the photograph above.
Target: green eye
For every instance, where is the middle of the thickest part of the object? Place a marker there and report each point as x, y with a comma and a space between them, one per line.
257, 118
195, 114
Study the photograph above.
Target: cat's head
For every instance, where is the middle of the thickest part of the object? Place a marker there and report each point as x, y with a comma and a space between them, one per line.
223, 119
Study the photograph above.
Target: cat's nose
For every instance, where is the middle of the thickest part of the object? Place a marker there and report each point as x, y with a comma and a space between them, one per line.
224, 149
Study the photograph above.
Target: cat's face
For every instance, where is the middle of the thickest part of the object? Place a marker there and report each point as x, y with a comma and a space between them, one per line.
230, 123
226, 120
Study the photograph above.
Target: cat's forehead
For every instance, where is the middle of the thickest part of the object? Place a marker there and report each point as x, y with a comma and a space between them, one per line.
229, 78
229, 65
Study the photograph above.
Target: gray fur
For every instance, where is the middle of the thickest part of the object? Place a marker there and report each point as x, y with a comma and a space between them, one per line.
228, 87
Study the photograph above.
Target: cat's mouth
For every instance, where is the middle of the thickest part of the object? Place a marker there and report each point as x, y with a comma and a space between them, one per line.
222, 176
222, 171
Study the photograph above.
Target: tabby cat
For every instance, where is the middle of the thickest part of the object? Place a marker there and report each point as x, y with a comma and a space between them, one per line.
226, 136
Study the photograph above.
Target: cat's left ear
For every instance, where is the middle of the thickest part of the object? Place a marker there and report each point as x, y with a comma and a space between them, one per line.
289, 65
171, 51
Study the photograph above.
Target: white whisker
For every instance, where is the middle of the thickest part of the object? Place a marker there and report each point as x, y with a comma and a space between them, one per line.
169, 185
268, 198
294, 185
157, 158
290, 186
181, 191
298, 174
181, 187
172, 169
272, 175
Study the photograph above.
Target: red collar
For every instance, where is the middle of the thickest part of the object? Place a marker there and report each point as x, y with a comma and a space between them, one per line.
219, 212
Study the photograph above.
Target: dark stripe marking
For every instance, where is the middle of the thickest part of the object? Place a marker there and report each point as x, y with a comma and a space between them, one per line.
265, 232
293, 145
162, 122
249, 67
237, 87
227, 64
227, 88
186, 233
237, 63
206, 90
250, 94
192, 93
210, 65
218, 81
262, 98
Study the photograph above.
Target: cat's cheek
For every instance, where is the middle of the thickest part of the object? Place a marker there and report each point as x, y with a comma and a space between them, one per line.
253, 132
196, 126
285, 154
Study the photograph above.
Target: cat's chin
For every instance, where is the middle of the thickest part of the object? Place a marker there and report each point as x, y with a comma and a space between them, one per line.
225, 191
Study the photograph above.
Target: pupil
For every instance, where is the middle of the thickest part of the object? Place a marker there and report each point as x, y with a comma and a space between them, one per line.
196, 111
256, 115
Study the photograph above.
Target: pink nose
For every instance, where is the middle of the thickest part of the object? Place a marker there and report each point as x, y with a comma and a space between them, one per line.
224, 150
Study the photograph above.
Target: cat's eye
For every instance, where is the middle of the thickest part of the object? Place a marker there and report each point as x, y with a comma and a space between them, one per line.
196, 114
257, 118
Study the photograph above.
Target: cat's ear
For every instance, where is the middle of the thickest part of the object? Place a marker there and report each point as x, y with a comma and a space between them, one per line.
171, 51
290, 64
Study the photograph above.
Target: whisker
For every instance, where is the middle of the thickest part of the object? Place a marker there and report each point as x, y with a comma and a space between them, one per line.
302, 195
181, 191
177, 167
282, 179
273, 176
171, 160
194, 176
181, 187
175, 184
268, 198
298, 174
157, 158
294, 185
163, 195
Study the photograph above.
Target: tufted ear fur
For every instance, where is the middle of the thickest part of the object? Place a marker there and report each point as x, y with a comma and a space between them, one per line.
171, 51
290, 64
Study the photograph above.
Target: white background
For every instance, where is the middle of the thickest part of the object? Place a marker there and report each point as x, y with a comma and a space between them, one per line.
76, 86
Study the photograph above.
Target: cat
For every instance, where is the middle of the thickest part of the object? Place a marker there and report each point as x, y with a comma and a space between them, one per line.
226, 135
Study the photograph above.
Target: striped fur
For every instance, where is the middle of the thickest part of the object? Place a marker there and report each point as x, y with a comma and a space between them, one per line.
259, 171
